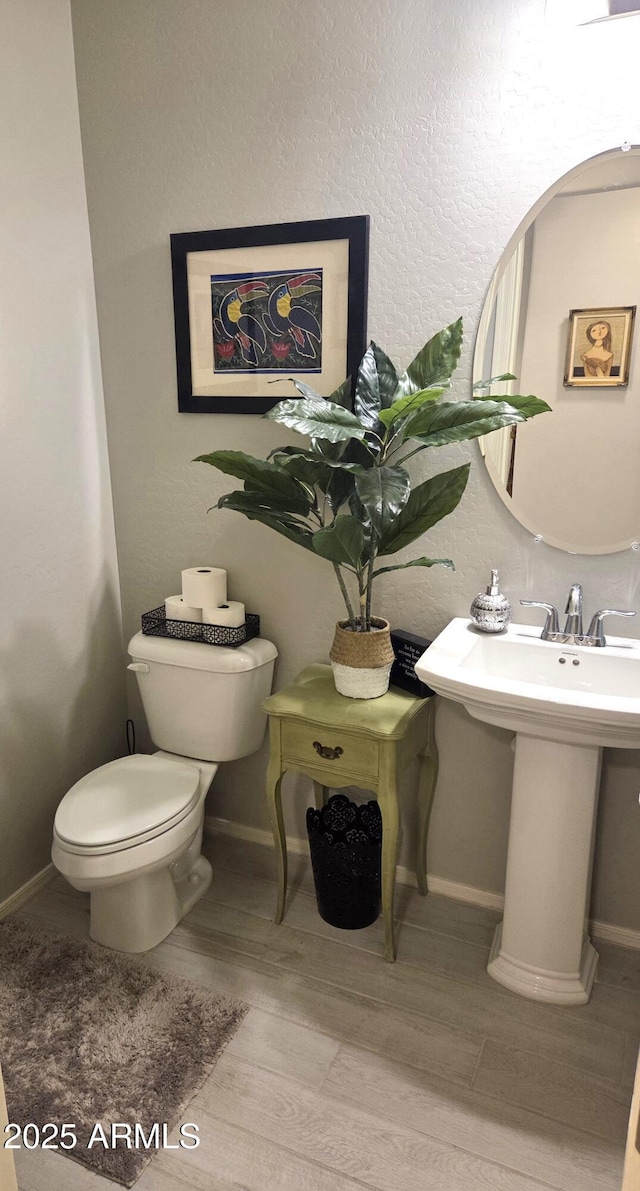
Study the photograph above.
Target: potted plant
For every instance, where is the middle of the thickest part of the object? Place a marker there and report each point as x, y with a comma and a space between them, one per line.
347, 495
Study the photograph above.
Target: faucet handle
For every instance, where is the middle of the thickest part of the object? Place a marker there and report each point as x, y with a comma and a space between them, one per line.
551, 624
596, 627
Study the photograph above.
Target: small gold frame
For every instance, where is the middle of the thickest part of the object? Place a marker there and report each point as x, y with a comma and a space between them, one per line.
599, 347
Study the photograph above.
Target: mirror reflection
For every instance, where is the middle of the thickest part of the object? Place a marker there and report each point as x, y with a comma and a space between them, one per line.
560, 316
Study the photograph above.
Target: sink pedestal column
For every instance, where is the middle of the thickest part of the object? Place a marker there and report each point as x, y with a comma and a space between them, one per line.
541, 948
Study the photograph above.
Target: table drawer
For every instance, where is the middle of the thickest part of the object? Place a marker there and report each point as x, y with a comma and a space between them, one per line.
329, 748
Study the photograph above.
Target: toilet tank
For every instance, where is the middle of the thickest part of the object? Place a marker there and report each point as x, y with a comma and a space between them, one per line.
203, 701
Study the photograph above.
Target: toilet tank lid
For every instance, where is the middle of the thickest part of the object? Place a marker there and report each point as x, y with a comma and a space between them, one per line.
195, 656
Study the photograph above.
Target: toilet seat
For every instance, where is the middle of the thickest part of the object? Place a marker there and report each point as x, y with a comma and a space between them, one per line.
125, 803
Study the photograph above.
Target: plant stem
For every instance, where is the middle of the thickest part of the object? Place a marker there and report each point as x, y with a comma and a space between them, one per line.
416, 451
369, 588
345, 596
362, 590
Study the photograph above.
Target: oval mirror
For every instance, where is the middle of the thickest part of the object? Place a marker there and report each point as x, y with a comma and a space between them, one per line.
560, 316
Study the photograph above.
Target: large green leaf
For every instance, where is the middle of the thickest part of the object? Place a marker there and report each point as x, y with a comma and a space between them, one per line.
427, 504
527, 405
306, 390
340, 396
304, 468
342, 460
288, 459
317, 418
417, 562
249, 505
334, 477
279, 453
457, 421
329, 450
493, 380
408, 405
342, 542
376, 386
309, 468
341, 487
383, 493
261, 476
362, 515
435, 362
357, 452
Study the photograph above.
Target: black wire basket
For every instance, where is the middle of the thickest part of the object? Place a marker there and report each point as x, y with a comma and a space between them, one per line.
345, 842
155, 624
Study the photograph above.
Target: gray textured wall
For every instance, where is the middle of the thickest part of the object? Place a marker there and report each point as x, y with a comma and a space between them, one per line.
444, 122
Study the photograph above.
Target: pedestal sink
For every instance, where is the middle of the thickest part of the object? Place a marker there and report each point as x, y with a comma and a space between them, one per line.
565, 703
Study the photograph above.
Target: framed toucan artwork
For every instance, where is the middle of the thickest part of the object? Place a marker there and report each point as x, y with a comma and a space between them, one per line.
255, 306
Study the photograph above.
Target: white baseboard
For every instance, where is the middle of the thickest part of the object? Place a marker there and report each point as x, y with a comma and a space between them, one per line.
405, 876
31, 887
620, 935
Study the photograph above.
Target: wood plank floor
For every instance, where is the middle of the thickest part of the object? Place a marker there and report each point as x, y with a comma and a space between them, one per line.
349, 1072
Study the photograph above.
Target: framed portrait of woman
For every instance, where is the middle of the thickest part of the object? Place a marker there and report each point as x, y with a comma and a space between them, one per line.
599, 347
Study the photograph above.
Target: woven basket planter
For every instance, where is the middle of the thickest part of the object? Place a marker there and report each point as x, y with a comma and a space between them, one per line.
362, 662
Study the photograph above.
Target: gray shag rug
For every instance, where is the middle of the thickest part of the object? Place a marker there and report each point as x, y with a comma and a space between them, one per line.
89, 1036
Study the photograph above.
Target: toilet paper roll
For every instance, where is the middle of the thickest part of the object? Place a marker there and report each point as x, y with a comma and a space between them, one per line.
176, 609
231, 615
204, 587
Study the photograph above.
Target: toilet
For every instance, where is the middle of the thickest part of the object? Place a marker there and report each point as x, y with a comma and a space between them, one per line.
130, 832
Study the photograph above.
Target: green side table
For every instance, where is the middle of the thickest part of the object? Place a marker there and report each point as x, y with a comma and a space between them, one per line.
352, 742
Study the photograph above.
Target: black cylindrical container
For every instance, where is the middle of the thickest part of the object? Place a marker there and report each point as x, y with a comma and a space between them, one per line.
345, 841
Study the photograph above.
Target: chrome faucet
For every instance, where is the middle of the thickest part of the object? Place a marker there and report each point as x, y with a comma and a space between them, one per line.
573, 632
573, 611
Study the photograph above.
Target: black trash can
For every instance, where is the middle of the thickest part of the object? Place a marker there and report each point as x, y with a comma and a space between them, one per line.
345, 841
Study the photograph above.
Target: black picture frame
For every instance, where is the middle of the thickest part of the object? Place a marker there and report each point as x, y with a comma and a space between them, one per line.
337, 248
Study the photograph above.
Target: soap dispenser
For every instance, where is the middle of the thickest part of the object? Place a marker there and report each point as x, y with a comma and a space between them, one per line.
491, 610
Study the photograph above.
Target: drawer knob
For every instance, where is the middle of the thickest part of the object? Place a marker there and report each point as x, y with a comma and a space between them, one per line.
325, 751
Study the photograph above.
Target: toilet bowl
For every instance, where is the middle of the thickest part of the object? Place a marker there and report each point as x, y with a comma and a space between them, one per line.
130, 832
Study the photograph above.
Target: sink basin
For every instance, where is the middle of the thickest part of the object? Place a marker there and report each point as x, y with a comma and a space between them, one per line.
565, 703
557, 692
